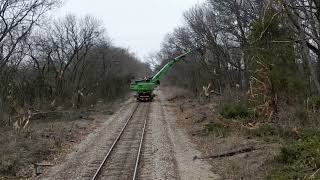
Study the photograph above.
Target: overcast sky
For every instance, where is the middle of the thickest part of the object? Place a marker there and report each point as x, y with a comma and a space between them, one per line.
139, 25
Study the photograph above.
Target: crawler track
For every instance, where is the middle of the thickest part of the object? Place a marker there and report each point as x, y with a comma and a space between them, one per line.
122, 159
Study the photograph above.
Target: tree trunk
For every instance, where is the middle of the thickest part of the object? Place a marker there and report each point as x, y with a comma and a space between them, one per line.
306, 57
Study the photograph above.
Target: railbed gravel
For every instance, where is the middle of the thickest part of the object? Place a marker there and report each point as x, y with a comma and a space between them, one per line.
184, 150
77, 162
167, 152
170, 148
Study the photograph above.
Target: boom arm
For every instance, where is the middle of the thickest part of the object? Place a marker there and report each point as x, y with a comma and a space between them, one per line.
163, 71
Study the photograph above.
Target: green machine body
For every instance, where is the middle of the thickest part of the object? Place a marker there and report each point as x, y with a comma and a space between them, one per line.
144, 88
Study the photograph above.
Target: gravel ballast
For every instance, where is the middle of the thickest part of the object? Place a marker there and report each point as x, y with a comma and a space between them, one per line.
167, 152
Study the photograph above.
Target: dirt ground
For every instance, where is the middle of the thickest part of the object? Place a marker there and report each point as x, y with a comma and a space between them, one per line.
47, 139
193, 116
185, 150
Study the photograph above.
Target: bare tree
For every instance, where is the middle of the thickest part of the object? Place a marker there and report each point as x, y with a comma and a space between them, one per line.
304, 16
69, 41
17, 19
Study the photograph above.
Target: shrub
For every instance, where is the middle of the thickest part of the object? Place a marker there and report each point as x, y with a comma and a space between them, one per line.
238, 110
315, 101
288, 154
301, 115
218, 129
299, 159
308, 133
265, 130
8, 165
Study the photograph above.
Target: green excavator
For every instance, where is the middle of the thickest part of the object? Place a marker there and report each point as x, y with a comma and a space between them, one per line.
144, 88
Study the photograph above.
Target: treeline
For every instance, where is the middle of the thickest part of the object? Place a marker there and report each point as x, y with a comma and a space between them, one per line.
266, 49
66, 62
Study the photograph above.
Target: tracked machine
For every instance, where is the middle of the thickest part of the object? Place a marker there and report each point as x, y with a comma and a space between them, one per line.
144, 88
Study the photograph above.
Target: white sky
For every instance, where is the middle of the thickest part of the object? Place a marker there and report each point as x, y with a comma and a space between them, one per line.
139, 25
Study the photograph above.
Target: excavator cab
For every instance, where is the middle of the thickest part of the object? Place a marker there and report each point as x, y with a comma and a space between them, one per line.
144, 88
145, 79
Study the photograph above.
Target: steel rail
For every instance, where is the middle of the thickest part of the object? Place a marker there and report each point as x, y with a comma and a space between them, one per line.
140, 146
114, 144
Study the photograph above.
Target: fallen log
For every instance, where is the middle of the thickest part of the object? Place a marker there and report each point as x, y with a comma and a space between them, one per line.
229, 154
216, 93
59, 115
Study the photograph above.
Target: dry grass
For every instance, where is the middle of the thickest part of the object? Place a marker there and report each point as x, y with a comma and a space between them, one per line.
45, 139
214, 135
48, 137
37, 143
291, 134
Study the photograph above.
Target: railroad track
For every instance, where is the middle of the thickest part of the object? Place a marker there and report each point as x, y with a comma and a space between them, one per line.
122, 159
